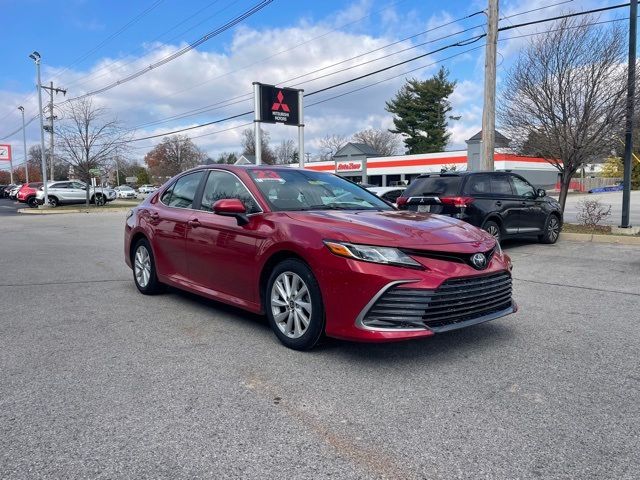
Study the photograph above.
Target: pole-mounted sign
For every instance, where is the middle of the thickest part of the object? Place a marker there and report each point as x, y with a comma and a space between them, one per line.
278, 105
5, 156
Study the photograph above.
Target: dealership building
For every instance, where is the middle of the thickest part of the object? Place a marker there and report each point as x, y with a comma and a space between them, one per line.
361, 163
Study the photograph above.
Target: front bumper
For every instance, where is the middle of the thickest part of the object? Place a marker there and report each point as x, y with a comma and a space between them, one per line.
353, 291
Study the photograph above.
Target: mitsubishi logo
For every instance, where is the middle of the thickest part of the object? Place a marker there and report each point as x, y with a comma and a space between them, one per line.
277, 105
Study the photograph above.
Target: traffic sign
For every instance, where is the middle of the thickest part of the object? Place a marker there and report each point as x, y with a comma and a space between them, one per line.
131, 179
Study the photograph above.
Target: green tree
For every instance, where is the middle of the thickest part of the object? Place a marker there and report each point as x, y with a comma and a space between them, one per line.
421, 113
142, 174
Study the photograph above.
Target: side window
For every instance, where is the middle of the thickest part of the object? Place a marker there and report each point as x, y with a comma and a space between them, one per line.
166, 196
184, 190
222, 185
500, 185
522, 187
77, 185
478, 185
60, 185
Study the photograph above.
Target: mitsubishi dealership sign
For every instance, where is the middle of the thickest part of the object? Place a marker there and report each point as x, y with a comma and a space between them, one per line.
277, 105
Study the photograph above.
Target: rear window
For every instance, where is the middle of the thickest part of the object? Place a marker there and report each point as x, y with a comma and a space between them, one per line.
428, 186
35, 184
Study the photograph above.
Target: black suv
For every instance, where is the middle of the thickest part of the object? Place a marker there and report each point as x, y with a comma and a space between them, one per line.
502, 203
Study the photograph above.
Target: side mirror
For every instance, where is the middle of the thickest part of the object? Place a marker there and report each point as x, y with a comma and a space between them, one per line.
542, 192
231, 207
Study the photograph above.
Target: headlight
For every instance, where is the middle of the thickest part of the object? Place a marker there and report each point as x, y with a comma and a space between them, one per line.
371, 253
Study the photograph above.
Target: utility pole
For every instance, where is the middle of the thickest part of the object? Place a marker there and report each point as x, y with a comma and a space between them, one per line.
24, 145
35, 56
51, 118
489, 109
631, 90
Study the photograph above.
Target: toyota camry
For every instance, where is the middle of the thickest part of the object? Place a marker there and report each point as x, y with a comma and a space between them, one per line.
317, 254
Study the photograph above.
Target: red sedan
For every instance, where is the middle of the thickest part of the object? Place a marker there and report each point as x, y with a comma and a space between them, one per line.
316, 253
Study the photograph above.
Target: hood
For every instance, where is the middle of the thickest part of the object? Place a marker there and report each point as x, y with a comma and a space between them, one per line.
397, 229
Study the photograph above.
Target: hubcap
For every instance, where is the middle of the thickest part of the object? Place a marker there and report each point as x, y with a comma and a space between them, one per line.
553, 229
142, 266
291, 304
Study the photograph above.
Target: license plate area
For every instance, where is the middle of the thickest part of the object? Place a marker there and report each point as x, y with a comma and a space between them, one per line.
424, 208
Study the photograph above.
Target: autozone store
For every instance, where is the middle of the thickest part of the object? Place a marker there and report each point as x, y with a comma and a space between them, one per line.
386, 171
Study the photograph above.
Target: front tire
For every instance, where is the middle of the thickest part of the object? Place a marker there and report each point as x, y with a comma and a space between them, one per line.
293, 304
552, 229
144, 269
99, 200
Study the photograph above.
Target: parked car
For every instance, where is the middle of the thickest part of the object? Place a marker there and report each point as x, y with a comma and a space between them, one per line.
502, 203
74, 191
147, 189
27, 193
390, 194
125, 191
317, 254
618, 187
13, 193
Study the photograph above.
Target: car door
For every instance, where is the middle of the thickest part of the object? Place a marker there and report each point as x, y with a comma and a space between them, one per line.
531, 216
76, 192
506, 203
221, 255
59, 190
167, 217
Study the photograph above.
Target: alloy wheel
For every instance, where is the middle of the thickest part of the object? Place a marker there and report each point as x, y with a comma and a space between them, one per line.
494, 231
142, 266
553, 229
291, 304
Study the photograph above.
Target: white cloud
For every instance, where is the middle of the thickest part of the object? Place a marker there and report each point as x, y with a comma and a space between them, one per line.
201, 78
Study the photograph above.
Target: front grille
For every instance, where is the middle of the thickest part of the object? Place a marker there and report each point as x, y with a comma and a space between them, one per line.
455, 301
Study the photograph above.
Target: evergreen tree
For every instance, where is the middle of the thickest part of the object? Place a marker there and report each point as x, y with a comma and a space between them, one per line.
421, 110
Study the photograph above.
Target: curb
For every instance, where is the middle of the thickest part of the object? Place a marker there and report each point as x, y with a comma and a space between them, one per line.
35, 211
595, 238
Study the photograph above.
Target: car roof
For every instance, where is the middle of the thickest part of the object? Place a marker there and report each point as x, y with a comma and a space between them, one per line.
464, 173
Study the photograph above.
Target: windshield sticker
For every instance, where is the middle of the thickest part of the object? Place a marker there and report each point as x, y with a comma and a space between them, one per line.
267, 176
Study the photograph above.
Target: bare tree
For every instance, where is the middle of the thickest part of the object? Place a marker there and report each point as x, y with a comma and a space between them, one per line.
88, 138
173, 155
382, 141
330, 144
564, 99
286, 152
249, 145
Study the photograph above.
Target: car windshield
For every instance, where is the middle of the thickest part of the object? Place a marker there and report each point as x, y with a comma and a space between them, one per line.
125, 187
299, 190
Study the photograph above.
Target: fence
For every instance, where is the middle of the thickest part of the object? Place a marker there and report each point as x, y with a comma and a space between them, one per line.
587, 183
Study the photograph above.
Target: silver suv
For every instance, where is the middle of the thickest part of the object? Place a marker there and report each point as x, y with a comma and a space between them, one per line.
74, 191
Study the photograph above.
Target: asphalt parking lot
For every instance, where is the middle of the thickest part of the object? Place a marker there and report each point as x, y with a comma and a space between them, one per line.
98, 381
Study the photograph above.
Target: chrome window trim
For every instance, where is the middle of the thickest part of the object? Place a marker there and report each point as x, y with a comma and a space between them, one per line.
360, 318
173, 183
243, 184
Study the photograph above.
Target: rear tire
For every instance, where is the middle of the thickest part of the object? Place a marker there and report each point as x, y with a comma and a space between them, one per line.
552, 230
493, 229
53, 202
144, 268
293, 304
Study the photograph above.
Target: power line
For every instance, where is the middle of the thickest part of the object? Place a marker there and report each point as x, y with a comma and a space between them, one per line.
247, 96
462, 43
256, 8
108, 68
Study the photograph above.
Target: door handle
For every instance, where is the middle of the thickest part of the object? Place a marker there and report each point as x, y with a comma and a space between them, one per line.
498, 203
195, 223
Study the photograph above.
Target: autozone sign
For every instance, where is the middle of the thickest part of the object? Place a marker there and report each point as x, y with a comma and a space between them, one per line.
350, 166
5, 153
279, 105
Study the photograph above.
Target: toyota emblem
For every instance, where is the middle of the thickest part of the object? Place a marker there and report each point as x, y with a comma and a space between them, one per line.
479, 261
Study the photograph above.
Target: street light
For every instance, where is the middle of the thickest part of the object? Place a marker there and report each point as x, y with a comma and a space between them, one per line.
24, 144
35, 56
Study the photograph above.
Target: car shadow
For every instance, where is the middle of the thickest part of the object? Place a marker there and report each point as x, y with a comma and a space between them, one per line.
468, 342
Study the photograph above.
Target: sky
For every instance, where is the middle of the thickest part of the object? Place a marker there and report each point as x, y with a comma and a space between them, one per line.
88, 44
